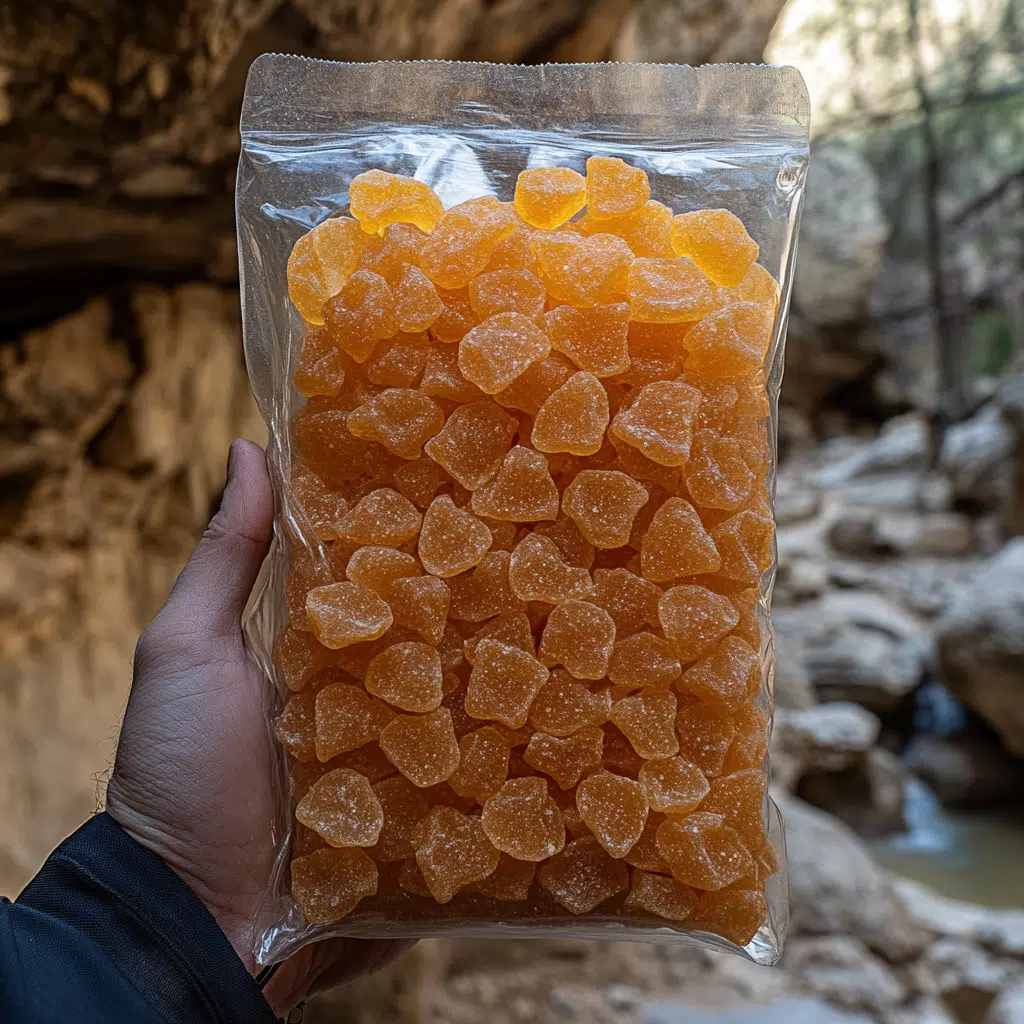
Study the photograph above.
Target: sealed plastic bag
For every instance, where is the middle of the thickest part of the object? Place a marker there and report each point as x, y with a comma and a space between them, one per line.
517, 336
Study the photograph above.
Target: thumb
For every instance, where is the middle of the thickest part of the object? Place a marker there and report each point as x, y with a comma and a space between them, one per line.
211, 591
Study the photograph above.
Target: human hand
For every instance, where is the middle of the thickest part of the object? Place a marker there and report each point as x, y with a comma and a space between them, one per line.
193, 777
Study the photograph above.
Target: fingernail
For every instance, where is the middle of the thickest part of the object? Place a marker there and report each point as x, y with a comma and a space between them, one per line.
231, 458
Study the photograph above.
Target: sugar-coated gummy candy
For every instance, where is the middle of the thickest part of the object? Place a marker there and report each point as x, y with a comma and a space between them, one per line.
717, 474
347, 717
377, 199
407, 675
454, 852
422, 747
417, 304
322, 367
614, 187
368, 760
614, 808
751, 743
729, 342
515, 252
673, 785
531, 388
580, 636
321, 506
507, 291
362, 314
633, 462
461, 244
399, 362
576, 551
457, 316
397, 245
573, 417
320, 264
451, 539
666, 291
758, 285
694, 619
581, 271
566, 758
498, 350
745, 545
648, 721
603, 504
521, 492
299, 656
510, 629
342, 613
377, 568
564, 704
442, 377
583, 876
665, 897
717, 242
420, 603
739, 799
503, 684
735, 914
335, 455
295, 727
473, 442
538, 572
484, 592
410, 878
643, 659
401, 419
328, 884
727, 678
522, 820
645, 229
483, 764
383, 517
644, 854
510, 881
659, 421
546, 197
595, 339
676, 544
705, 736
404, 807
342, 808
630, 600
703, 851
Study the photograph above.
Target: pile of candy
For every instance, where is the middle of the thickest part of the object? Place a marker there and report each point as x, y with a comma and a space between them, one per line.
526, 527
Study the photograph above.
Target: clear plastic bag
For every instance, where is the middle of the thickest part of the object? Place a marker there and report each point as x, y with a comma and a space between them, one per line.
733, 137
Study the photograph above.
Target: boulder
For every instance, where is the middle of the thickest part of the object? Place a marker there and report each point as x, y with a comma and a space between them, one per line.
965, 976
786, 1011
901, 446
976, 456
1008, 1007
866, 533
966, 769
837, 888
981, 644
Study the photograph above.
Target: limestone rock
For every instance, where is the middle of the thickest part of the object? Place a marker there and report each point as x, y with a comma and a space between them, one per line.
786, 1011
827, 738
981, 644
976, 455
1008, 1008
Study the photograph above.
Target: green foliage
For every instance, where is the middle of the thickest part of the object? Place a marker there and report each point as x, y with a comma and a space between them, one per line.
993, 338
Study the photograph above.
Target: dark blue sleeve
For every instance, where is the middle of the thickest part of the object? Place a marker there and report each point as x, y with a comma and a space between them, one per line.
107, 932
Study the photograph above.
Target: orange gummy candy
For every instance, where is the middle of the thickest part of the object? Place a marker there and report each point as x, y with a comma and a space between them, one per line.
727, 678
645, 229
420, 603
507, 291
648, 720
523, 821
401, 419
583, 876
704, 737
473, 442
377, 199
566, 758
404, 807
669, 291
674, 785
417, 304
735, 914
575, 550
564, 704
703, 851
751, 743
343, 809
461, 244
644, 852
596, 339
422, 747
614, 808
739, 799
603, 504
347, 717
362, 314
629, 599
328, 884
494, 353
522, 491
573, 417
457, 316
376, 568
658, 422
322, 366
383, 517
295, 727
730, 342
694, 619
643, 659
532, 387
451, 539
614, 187
717, 475
537, 572
510, 881
546, 197
676, 544
407, 675
504, 682
397, 245
584, 271
399, 363
512, 630
342, 613
745, 544
484, 592
320, 264
717, 242
443, 379
298, 656
662, 896
580, 636
454, 852
483, 764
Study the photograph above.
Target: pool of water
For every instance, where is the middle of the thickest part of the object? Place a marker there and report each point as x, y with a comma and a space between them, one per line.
969, 856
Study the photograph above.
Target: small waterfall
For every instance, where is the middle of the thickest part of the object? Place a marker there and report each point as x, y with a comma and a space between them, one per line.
929, 830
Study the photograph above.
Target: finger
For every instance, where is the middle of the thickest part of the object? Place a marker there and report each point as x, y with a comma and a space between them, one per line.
212, 589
